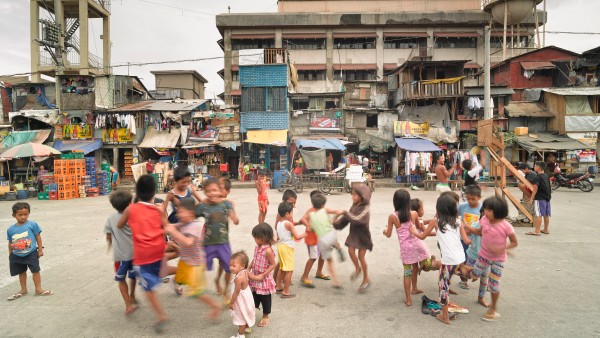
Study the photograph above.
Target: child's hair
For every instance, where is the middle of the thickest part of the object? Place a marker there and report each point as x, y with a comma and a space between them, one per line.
452, 195
402, 205
262, 172
473, 190
242, 257
264, 232
447, 212
120, 199
497, 205
20, 206
210, 181
314, 192
523, 166
318, 201
187, 203
145, 188
467, 164
289, 194
284, 208
180, 173
415, 204
226, 183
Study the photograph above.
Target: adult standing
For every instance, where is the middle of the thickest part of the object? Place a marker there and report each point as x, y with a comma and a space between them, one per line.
443, 174
149, 167
115, 180
540, 198
40, 178
330, 162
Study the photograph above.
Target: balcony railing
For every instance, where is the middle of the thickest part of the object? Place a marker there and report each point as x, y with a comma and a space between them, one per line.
429, 89
421, 53
275, 55
104, 3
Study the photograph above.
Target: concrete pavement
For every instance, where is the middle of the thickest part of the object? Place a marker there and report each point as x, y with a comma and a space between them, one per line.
549, 287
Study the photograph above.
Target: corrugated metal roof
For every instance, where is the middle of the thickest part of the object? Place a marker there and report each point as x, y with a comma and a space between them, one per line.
497, 91
310, 66
549, 142
160, 139
536, 65
355, 66
405, 34
530, 109
161, 105
577, 91
456, 34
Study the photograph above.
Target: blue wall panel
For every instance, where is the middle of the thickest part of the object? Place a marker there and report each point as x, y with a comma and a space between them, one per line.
264, 120
269, 75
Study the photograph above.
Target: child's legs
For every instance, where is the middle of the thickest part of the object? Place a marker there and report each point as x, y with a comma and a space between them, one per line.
446, 273
352, 254
132, 283
414, 272
494, 282
23, 282
149, 279
37, 282
242, 329
320, 264
287, 279
125, 293
307, 267
224, 255
363, 264
409, 271
332, 271
156, 306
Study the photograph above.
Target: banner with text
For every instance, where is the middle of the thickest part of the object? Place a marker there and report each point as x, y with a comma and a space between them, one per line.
405, 128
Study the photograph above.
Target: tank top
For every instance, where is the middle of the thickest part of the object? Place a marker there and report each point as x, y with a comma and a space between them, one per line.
173, 215
412, 249
450, 246
284, 235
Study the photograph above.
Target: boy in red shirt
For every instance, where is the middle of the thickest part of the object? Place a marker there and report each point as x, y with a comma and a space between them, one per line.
146, 222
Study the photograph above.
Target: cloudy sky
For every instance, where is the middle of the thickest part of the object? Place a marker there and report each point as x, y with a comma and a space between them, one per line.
163, 30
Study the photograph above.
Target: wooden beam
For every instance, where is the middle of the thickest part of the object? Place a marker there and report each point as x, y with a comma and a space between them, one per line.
511, 169
517, 204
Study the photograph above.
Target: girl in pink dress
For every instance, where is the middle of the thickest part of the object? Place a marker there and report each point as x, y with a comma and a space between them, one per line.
412, 250
241, 303
263, 263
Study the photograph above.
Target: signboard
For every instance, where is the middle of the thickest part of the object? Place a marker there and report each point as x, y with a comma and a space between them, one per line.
588, 155
117, 136
406, 128
73, 132
202, 150
162, 151
589, 139
324, 123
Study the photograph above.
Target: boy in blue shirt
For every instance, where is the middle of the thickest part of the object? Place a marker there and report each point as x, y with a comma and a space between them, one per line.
25, 249
469, 213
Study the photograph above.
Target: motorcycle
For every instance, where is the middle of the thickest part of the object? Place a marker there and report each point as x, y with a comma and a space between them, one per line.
581, 181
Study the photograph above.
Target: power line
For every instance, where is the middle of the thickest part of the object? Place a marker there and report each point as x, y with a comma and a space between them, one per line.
176, 7
573, 33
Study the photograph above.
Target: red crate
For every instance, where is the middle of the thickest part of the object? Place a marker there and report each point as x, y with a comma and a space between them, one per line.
53, 195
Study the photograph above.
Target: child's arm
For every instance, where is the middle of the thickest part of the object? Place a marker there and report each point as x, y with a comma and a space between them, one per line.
183, 240
9, 247
472, 230
334, 211
121, 223
40, 247
388, 231
236, 292
233, 215
108, 242
464, 236
271, 259
196, 193
423, 235
290, 226
513, 241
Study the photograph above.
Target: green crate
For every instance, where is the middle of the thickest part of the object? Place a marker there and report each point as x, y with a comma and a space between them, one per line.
43, 195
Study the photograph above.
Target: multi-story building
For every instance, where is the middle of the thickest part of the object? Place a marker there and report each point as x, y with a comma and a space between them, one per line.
183, 84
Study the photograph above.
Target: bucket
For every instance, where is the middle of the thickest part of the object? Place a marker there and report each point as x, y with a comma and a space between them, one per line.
32, 193
10, 196
22, 194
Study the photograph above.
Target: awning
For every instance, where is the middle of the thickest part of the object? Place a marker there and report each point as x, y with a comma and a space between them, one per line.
456, 34
354, 35
390, 66
271, 137
472, 65
405, 34
235, 92
529, 109
80, 145
549, 142
509, 34
376, 144
310, 66
48, 116
537, 65
21, 137
160, 139
326, 143
355, 66
417, 145
194, 145
252, 36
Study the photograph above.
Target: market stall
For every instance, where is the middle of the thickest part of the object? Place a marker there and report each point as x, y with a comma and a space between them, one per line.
415, 158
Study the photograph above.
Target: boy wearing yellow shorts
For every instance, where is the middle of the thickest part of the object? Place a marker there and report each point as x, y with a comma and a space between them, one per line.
286, 233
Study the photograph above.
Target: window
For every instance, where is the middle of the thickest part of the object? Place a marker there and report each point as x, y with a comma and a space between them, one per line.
253, 99
237, 100
300, 103
277, 99
317, 103
331, 103
311, 75
465, 42
372, 120
496, 41
354, 43
356, 75
239, 44
304, 43
235, 76
403, 43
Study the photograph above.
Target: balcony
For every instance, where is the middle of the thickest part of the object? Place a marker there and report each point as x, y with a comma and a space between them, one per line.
275, 55
429, 89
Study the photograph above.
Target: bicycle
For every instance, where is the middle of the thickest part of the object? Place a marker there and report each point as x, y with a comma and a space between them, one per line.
290, 181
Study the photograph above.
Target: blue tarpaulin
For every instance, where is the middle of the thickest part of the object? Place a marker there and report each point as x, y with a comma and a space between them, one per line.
326, 143
416, 145
77, 145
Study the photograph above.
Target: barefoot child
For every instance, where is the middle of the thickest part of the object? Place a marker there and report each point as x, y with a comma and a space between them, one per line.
290, 197
469, 212
225, 185
121, 242
25, 249
449, 233
472, 254
311, 241
146, 222
359, 238
495, 230
241, 302
286, 233
191, 267
413, 251
182, 189
262, 265
263, 198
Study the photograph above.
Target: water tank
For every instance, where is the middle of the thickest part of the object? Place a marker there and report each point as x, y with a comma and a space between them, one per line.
518, 10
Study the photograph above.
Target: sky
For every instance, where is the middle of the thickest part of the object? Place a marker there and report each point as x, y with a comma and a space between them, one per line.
146, 31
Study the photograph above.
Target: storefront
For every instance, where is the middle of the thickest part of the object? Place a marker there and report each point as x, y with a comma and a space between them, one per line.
378, 151
266, 148
320, 154
415, 158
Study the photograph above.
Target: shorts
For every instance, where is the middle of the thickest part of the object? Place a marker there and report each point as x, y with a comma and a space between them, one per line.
286, 257
124, 269
265, 300
20, 264
222, 252
262, 205
471, 261
541, 208
313, 251
442, 187
492, 269
148, 275
408, 268
326, 244
193, 277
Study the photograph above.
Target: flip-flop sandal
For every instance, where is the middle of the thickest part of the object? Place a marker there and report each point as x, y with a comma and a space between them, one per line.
159, 327
279, 292
363, 288
545, 232
424, 309
532, 234
130, 311
307, 284
486, 317
16, 296
323, 277
291, 295
45, 293
463, 285
337, 287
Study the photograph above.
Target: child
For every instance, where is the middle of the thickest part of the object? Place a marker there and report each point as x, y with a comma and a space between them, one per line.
262, 265
311, 241
225, 185
360, 237
190, 270
469, 213
217, 212
321, 225
472, 254
290, 197
449, 233
181, 189
286, 233
494, 232
263, 199
25, 249
412, 250
146, 222
122, 249
241, 303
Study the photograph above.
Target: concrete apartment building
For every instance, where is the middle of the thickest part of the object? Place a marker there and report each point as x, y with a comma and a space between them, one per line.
184, 84
334, 40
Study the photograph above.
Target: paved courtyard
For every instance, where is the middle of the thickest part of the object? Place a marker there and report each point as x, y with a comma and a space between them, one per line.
549, 288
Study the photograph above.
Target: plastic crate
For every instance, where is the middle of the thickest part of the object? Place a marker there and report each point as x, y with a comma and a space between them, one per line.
43, 196
52, 187
53, 195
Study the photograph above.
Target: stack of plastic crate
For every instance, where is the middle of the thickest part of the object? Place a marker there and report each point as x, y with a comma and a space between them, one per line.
90, 170
80, 170
103, 182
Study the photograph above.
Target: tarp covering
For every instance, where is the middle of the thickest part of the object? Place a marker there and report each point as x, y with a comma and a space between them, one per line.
49, 116
578, 105
271, 137
21, 137
529, 109
376, 144
160, 139
325, 143
416, 145
548, 142
436, 115
447, 81
582, 123
80, 145
314, 159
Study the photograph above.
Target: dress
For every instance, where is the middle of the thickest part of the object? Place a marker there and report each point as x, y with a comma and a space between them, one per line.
243, 312
412, 249
358, 216
260, 264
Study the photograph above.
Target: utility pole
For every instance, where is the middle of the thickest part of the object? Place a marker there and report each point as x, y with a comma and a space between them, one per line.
59, 19
487, 109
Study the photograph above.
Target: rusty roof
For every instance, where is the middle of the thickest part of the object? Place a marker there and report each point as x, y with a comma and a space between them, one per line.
161, 106
536, 65
529, 109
